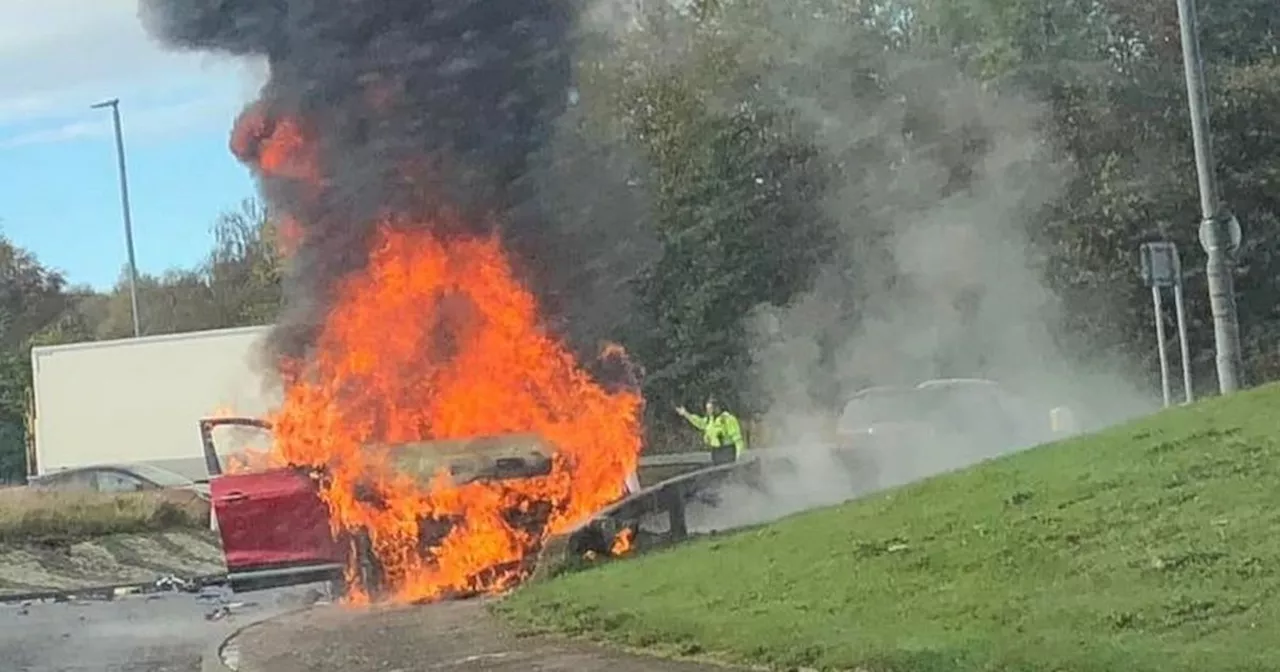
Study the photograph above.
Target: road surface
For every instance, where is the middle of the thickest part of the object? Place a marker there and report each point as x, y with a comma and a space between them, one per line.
165, 632
451, 636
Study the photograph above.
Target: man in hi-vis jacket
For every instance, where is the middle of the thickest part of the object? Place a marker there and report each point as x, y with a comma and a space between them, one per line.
721, 431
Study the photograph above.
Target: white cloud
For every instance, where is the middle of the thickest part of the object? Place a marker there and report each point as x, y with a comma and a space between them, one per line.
57, 57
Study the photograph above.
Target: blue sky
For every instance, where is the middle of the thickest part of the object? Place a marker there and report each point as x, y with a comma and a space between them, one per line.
59, 189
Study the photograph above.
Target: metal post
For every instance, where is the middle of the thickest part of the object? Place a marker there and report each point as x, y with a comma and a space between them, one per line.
1160, 345
676, 515
114, 104
1178, 304
1215, 236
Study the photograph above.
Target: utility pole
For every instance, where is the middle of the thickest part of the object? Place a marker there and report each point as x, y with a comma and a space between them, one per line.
114, 104
1219, 231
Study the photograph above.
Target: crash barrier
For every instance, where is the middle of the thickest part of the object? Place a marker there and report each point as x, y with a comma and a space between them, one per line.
654, 517
657, 516
695, 459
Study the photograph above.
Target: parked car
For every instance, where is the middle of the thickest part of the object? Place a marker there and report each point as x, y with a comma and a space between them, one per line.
118, 478
275, 529
942, 424
123, 478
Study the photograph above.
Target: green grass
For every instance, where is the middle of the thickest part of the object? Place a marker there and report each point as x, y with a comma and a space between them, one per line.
1152, 547
28, 515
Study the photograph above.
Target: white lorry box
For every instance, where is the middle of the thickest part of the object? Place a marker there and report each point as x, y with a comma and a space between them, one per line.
141, 399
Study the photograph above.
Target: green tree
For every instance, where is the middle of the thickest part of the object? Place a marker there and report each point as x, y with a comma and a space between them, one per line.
1110, 72
738, 218
31, 299
244, 268
30, 295
736, 205
175, 302
14, 382
237, 285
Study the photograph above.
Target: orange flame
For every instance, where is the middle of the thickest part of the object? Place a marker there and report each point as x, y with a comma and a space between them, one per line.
435, 339
622, 543
252, 460
274, 145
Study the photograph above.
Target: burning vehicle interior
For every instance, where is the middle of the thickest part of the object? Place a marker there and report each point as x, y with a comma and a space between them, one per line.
276, 530
423, 282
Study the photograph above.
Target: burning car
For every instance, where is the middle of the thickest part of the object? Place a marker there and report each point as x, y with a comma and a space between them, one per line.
276, 529
424, 296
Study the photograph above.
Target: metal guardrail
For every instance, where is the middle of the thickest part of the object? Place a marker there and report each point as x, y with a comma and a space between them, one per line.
667, 498
693, 459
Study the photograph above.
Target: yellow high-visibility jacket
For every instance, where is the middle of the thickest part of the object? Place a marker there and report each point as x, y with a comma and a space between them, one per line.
720, 430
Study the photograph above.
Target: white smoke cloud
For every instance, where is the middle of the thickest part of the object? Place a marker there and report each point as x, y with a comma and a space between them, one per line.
941, 181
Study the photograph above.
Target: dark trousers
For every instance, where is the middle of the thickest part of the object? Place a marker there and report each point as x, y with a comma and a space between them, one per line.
723, 455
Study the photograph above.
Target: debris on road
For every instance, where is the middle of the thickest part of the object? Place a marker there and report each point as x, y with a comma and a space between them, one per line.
174, 583
109, 593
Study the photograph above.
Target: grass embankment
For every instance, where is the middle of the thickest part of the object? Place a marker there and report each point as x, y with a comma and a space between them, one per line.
28, 515
1153, 547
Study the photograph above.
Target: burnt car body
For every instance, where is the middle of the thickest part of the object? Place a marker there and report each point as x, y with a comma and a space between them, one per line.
276, 531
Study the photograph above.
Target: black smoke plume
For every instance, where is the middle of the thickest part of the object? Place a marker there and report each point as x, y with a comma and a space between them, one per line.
415, 107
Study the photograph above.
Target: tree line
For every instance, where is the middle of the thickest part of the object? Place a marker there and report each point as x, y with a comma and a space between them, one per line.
786, 146
794, 148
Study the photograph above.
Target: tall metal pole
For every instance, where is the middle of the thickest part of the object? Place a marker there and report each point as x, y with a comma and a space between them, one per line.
1162, 345
1188, 388
114, 104
1219, 232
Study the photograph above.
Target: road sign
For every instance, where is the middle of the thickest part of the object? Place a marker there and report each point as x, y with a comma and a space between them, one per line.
1161, 266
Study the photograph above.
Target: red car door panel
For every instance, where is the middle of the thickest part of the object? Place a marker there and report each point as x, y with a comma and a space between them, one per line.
271, 519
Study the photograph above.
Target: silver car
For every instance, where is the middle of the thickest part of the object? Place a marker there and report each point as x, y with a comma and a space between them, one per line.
122, 478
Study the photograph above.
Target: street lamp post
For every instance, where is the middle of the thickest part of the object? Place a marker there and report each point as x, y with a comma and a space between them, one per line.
114, 104
1219, 230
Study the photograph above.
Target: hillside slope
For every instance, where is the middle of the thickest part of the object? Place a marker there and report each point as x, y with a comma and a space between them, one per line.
1150, 547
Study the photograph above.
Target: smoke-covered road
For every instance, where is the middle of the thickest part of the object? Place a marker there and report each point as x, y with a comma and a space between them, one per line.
159, 633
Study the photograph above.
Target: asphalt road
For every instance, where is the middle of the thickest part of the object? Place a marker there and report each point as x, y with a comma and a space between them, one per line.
457, 636
164, 632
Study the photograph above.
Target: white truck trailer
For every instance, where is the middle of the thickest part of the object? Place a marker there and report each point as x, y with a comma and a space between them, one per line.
139, 400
